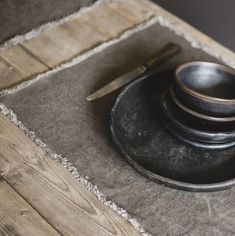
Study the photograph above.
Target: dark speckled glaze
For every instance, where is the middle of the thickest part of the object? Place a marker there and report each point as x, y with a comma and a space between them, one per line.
205, 87
140, 136
196, 131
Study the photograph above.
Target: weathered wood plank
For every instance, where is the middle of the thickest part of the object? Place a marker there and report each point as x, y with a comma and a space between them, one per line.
64, 202
70, 39
132, 10
56, 46
183, 28
64, 42
86, 31
98, 25
8, 76
26, 64
106, 20
17, 217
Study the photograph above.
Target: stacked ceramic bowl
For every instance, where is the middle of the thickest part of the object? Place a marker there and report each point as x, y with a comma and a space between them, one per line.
199, 108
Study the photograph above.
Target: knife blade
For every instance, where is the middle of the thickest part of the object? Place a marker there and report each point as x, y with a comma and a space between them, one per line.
162, 55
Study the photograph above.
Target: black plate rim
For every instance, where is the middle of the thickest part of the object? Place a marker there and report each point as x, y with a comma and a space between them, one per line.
155, 177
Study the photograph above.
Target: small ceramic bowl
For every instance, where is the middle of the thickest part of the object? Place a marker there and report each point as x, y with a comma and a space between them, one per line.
197, 114
207, 88
194, 130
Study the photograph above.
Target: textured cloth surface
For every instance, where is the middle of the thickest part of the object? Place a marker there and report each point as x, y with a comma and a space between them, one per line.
17, 17
56, 109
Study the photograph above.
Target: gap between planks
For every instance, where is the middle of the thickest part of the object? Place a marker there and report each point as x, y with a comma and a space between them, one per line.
17, 217
52, 191
19, 73
46, 49
61, 44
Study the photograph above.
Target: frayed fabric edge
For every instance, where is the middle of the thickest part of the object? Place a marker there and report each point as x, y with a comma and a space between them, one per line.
193, 42
156, 19
52, 24
73, 170
80, 58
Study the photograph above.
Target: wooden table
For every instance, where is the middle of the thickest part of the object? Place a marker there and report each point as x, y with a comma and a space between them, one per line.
37, 194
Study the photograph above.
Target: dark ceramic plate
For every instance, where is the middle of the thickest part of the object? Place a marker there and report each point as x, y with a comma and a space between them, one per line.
141, 138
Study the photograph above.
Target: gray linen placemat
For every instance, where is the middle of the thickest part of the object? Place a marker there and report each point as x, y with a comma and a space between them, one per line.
55, 108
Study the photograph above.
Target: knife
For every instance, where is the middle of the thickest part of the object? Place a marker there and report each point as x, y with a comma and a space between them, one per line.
161, 56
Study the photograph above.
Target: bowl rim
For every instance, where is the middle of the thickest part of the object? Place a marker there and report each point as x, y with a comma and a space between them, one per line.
197, 114
200, 95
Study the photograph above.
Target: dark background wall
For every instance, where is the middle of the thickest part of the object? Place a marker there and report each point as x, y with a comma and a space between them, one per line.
20, 16
214, 17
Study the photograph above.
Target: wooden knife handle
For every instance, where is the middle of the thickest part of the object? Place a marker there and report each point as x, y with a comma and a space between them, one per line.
164, 54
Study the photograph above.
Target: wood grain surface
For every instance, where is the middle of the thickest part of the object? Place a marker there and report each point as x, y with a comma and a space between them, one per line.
131, 10
62, 43
25, 63
17, 217
107, 21
102, 23
86, 31
52, 191
56, 46
37, 195
9, 76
